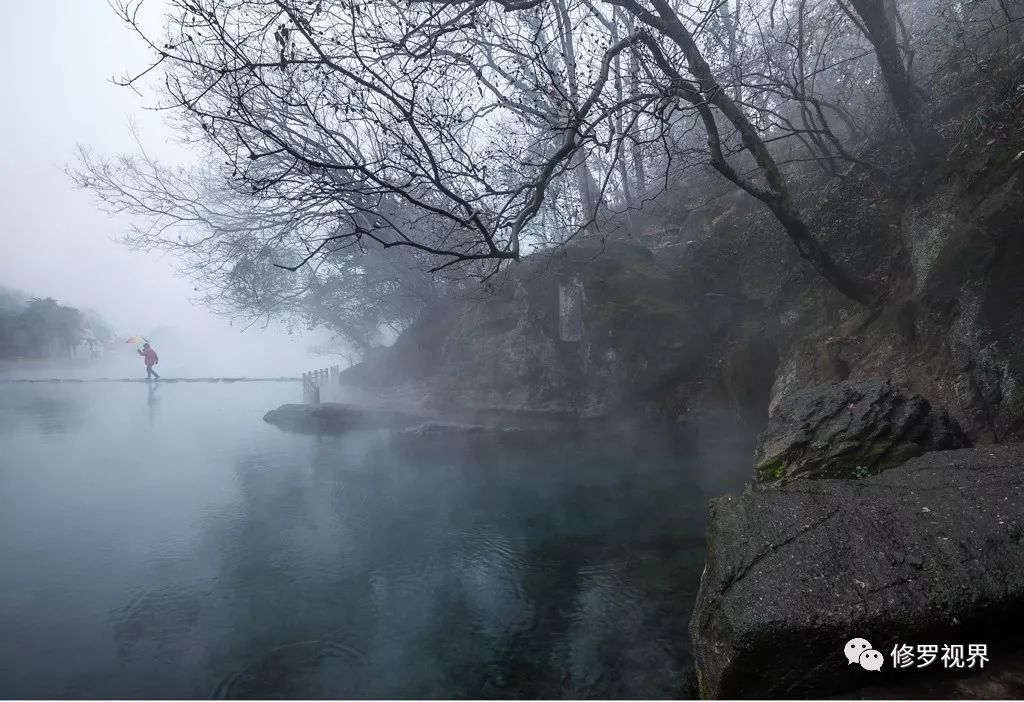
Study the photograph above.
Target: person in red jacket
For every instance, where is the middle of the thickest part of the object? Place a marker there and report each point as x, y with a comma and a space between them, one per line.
150, 358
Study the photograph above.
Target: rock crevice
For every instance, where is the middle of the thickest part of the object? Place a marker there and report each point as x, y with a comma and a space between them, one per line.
850, 429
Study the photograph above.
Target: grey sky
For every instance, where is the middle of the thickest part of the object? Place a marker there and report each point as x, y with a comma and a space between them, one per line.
57, 58
56, 61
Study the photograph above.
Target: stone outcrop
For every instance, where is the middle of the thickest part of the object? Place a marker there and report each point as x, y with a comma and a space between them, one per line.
709, 308
447, 434
336, 418
412, 422
931, 552
953, 327
501, 347
848, 429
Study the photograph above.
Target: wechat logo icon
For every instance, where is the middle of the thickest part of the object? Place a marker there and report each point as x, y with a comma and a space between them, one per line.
859, 651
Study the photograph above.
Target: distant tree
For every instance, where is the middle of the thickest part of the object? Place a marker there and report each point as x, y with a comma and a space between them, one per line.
39, 329
52, 326
253, 258
12, 336
99, 328
12, 300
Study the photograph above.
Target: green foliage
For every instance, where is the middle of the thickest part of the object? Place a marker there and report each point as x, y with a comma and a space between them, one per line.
771, 470
774, 469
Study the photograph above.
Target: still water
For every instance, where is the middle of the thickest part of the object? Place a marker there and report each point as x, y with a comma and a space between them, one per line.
166, 542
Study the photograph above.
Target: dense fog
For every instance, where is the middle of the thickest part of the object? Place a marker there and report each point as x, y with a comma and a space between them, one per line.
57, 244
526, 349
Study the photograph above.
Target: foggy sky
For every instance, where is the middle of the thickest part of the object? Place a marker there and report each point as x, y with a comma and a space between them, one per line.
57, 59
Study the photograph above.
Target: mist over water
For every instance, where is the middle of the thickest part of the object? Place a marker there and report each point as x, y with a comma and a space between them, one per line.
201, 352
160, 540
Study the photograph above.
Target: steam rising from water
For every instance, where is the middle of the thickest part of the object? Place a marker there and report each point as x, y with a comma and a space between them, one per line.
162, 540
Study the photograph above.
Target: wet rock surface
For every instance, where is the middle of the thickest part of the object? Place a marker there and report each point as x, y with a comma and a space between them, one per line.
446, 431
1002, 679
928, 553
644, 327
850, 429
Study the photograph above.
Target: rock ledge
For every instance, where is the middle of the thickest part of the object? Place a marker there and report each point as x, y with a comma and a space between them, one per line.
931, 552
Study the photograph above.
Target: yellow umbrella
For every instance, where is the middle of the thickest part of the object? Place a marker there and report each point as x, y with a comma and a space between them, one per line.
137, 340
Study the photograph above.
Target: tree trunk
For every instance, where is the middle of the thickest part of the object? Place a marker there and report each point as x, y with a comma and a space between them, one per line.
850, 285
639, 172
776, 196
906, 98
584, 179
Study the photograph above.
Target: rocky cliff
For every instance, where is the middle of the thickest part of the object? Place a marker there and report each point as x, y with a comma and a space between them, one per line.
718, 313
710, 311
646, 327
927, 553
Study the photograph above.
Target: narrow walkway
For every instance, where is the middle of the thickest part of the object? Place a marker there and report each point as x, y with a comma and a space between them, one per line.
144, 380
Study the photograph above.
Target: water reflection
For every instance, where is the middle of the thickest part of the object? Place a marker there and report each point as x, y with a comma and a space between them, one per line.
237, 561
51, 413
152, 399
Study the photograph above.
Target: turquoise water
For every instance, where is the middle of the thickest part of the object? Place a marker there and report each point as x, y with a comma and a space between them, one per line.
165, 542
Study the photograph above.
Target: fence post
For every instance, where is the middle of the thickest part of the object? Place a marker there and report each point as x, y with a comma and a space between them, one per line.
311, 382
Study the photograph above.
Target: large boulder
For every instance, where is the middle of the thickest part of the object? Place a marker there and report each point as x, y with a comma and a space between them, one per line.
850, 429
929, 553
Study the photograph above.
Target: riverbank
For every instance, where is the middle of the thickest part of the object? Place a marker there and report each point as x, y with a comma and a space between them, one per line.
724, 319
907, 553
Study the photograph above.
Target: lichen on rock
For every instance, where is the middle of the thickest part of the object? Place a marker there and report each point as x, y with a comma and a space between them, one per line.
850, 428
929, 552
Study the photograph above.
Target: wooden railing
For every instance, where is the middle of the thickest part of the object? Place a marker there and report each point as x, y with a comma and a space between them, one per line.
315, 381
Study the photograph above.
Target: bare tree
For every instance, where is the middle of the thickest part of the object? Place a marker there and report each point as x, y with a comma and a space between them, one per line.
878, 21
705, 94
251, 261
456, 109
801, 86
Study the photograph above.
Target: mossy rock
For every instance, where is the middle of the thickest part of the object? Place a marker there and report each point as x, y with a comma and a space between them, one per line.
837, 430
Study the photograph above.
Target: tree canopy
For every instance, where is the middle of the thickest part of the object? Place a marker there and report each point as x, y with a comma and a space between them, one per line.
466, 133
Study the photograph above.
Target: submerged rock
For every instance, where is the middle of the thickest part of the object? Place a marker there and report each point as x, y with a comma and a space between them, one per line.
450, 429
447, 432
851, 429
415, 423
336, 418
442, 429
929, 553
